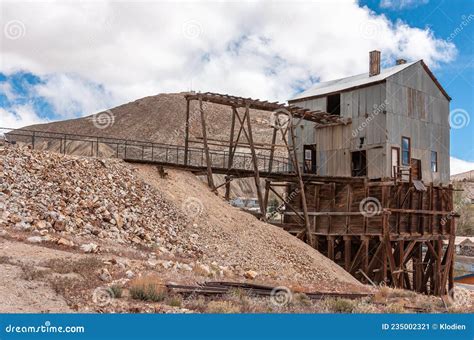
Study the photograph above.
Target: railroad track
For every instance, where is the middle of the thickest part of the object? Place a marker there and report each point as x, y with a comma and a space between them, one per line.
211, 288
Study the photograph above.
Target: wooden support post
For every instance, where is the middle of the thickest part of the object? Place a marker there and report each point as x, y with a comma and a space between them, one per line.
300, 179
437, 272
186, 134
418, 268
365, 262
347, 252
330, 239
210, 180
272, 149
255, 164
230, 159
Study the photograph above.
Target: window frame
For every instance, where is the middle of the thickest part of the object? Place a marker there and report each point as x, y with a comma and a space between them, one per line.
435, 163
403, 151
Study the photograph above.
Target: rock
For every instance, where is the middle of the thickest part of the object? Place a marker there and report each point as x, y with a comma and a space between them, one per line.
152, 263
250, 274
41, 224
104, 275
167, 264
119, 220
65, 242
35, 239
90, 248
129, 274
186, 267
59, 225
23, 226
203, 268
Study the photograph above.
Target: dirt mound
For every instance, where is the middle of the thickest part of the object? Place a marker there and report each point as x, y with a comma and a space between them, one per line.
236, 239
51, 196
159, 119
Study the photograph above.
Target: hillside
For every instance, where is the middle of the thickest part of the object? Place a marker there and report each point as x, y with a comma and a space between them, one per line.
161, 119
181, 230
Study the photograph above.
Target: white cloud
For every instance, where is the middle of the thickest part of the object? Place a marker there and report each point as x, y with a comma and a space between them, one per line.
458, 165
19, 116
259, 49
70, 95
401, 4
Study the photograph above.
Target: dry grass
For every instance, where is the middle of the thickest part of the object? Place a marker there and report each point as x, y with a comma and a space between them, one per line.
174, 301
117, 291
339, 305
31, 273
148, 288
85, 266
222, 307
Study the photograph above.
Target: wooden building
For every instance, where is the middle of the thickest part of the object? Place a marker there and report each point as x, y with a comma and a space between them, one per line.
399, 121
377, 198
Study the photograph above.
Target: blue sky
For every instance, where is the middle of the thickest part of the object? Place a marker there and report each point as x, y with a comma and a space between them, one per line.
62, 60
457, 77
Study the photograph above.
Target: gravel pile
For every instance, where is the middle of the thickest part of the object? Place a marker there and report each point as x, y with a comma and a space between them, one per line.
50, 193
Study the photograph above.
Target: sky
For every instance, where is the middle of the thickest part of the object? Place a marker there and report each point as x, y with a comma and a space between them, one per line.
67, 59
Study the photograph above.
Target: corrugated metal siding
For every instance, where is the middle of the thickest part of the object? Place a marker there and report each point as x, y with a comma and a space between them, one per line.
408, 104
419, 110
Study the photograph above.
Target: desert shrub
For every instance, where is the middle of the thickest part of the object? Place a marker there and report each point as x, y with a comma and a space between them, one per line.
395, 308
301, 299
198, 304
148, 289
222, 307
341, 305
174, 301
117, 291
63, 285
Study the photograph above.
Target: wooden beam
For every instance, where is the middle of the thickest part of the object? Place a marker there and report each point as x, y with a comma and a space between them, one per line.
230, 159
186, 134
210, 180
347, 252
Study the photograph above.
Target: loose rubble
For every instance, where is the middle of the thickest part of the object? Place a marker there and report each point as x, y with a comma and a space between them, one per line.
47, 193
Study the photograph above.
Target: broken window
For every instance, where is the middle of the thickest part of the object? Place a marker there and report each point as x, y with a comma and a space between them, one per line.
359, 164
334, 104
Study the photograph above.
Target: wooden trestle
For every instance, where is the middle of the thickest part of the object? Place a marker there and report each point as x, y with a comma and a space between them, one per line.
381, 232
387, 232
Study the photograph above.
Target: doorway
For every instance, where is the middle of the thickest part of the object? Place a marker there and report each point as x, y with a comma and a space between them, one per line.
416, 168
359, 163
395, 161
309, 158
